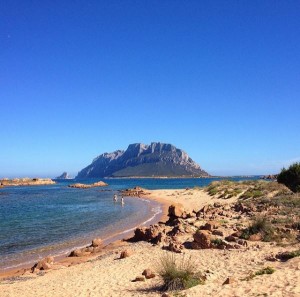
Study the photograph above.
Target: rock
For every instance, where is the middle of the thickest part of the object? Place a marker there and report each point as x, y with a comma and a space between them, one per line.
175, 247
63, 176
151, 234
237, 234
44, 264
202, 240
255, 237
218, 232
175, 211
242, 242
97, 242
148, 273
165, 295
125, 254
79, 253
230, 238
139, 279
210, 226
229, 280
86, 186
217, 204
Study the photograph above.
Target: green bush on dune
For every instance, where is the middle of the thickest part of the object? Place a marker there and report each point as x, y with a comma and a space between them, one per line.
290, 177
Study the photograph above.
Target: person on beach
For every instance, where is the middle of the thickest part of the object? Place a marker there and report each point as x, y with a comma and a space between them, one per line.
115, 198
122, 201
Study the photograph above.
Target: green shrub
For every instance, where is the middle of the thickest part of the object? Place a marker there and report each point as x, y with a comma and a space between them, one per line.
290, 177
178, 274
266, 270
260, 225
217, 242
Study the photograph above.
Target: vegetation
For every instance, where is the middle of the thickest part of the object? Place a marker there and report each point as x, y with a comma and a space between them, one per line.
266, 270
288, 255
245, 190
290, 177
217, 242
262, 226
178, 274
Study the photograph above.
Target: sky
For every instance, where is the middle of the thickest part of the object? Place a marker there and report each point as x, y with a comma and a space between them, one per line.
218, 79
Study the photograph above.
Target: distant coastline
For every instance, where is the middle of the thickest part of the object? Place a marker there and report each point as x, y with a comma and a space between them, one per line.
5, 182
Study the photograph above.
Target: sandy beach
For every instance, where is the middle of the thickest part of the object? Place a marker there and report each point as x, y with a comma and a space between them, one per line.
105, 274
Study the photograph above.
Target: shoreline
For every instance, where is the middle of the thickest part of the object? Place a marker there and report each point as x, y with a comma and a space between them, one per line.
108, 274
108, 241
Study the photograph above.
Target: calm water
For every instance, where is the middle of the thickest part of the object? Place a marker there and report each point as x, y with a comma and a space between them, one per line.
42, 220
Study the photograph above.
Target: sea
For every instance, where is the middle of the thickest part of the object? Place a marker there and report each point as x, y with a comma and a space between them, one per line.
37, 221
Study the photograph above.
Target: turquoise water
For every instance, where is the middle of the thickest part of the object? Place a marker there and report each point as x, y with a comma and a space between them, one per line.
42, 220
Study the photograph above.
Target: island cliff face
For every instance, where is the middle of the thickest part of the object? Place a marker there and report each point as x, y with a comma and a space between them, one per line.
140, 160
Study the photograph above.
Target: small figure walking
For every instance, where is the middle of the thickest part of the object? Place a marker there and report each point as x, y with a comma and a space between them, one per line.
122, 201
115, 198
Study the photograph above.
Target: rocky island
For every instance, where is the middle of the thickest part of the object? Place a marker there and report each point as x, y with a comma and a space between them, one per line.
64, 175
141, 160
86, 186
26, 182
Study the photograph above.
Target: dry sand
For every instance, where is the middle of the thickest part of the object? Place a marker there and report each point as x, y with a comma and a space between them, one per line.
110, 276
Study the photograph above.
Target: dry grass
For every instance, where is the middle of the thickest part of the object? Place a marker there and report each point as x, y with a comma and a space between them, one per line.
178, 274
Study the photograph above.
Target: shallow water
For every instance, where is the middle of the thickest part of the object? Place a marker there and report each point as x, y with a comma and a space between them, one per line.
53, 219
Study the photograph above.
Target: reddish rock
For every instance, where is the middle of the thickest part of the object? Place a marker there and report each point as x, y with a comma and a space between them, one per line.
255, 237
175, 247
229, 280
218, 232
125, 254
231, 238
139, 279
44, 264
97, 242
202, 240
148, 273
237, 234
210, 226
79, 253
176, 211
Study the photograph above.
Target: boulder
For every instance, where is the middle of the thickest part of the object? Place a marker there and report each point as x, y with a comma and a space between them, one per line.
125, 254
231, 238
255, 237
79, 253
44, 264
210, 226
176, 210
175, 247
202, 240
150, 234
97, 242
218, 232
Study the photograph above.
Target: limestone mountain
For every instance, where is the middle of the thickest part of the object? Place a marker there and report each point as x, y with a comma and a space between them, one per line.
141, 160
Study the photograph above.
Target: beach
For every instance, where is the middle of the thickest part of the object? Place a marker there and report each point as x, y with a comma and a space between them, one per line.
105, 274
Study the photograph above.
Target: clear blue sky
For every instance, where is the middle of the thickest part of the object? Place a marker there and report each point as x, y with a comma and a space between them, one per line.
219, 79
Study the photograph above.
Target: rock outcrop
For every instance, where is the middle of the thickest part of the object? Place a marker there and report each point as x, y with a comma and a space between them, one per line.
26, 182
154, 160
63, 176
85, 186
